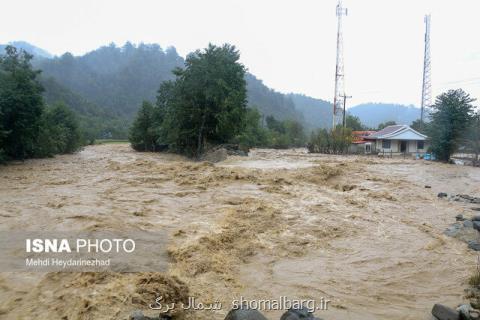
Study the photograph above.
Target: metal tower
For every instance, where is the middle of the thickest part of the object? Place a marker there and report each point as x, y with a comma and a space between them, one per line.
427, 72
339, 70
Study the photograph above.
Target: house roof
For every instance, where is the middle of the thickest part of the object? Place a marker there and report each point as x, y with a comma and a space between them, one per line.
359, 136
397, 132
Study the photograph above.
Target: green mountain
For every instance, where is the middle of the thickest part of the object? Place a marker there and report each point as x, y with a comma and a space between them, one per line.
96, 122
111, 82
317, 113
270, 102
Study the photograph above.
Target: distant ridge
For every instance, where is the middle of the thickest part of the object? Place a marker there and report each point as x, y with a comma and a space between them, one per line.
372, 114
34, 50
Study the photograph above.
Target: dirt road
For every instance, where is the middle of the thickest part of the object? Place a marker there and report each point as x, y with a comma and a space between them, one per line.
362, 232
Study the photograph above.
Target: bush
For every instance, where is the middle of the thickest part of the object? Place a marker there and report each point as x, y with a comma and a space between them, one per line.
254, 134
334, 141
59, 132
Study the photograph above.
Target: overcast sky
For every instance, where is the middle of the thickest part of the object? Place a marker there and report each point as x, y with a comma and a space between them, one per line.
290, 45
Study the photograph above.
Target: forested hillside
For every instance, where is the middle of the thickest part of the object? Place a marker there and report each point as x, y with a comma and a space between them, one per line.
107, 86
120, 78
316, 112
117, 79
270, 102
96, 122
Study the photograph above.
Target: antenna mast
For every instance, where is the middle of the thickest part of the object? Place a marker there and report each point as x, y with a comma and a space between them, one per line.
339, 70
427, 72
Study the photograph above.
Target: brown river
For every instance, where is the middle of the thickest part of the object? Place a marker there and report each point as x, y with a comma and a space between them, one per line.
362, 232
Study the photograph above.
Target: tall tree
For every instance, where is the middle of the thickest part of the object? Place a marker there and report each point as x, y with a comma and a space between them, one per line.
451, 115
21, 103
144, 132
207, 101
354, 123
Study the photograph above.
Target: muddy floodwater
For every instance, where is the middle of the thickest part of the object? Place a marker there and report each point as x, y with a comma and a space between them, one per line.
362, 232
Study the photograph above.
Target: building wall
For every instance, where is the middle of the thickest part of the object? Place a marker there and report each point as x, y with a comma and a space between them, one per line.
395, 146
361, 148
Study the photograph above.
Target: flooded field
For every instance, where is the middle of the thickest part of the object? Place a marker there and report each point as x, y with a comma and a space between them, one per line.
362, 232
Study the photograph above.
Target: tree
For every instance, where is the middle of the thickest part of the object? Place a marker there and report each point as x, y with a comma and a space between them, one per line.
3, 134
419, 126
207, 101
254, 134
274, 125
284, 134
66, 122
473, 137
144, 131
21, 103
451, 115
386, 124
335, 141
59, 132
354, 123
295, 133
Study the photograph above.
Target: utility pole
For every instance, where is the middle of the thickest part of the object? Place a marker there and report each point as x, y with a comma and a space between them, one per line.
339, 69
345, 97
427, 72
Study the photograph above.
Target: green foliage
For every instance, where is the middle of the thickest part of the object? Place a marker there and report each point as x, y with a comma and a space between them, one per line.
3, 134
116, 79
27, 128
386, 124
451, 115
472, 137
294, 132
334, 141
206, 104
254, 134
21, 104
419, 126
272, 103
284, 134
354, 123
144, 133
316, 113
113, 81
95, 122
59, 132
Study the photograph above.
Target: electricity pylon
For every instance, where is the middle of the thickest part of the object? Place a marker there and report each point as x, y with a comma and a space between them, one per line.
339, 69
427, 72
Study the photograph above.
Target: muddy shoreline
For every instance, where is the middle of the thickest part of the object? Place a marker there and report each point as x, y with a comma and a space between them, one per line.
362, 232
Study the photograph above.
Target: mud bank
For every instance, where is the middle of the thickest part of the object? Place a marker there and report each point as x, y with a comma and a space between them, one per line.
362, 232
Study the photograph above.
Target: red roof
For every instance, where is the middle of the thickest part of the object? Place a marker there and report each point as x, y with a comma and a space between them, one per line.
359, 136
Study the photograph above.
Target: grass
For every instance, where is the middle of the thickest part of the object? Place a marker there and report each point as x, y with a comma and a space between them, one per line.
474, 280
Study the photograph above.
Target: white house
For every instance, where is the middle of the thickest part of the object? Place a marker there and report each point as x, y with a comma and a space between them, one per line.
399, 139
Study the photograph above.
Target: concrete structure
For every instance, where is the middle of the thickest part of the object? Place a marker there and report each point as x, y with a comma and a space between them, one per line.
399, 139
